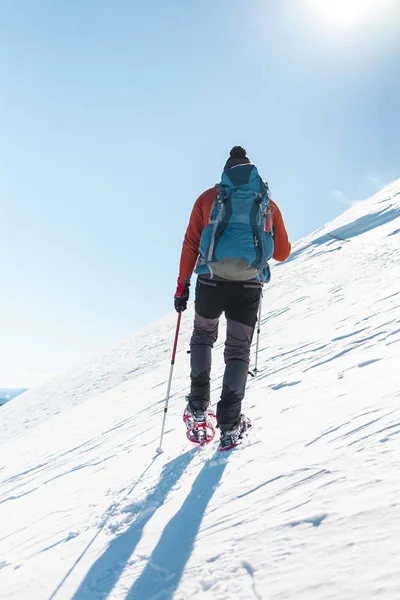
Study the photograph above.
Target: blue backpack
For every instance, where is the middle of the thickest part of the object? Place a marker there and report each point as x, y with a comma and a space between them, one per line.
234, 245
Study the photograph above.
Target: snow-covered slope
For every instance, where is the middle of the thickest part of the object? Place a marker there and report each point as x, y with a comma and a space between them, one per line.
309, 508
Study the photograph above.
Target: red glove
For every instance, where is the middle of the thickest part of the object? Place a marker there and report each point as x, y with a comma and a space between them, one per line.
181, 297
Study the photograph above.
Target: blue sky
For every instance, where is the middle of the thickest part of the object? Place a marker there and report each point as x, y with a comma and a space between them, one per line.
116, 115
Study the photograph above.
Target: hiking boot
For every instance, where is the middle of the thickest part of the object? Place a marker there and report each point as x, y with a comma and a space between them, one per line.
200, 424
233, 437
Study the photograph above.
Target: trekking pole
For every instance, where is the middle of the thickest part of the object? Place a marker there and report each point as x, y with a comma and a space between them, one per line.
258, 334
178, 324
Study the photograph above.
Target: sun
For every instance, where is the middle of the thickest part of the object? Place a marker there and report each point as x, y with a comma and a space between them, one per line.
348, 13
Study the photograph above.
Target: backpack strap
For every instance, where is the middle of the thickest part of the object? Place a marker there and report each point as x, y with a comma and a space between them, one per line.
216, 214
267, 211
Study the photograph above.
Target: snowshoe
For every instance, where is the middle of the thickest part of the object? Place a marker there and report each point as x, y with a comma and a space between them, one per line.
232, 438
200, 425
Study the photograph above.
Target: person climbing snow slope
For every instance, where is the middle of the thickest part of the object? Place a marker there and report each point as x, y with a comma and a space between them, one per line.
234, 229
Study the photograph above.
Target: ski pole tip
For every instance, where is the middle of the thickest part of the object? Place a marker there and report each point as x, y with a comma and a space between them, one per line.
159, 450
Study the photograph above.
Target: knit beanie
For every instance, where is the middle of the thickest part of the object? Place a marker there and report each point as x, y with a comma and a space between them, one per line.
237, 156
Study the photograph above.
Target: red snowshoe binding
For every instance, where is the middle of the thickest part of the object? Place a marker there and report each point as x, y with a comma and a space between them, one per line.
200, 425
232, 438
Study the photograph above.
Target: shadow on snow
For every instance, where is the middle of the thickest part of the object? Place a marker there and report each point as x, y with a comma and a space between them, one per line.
163, 572
105, 572
166, 564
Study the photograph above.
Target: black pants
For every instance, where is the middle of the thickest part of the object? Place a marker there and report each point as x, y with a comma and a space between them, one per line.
239, 301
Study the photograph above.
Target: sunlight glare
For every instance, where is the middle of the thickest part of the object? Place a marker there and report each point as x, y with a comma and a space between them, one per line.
348, 13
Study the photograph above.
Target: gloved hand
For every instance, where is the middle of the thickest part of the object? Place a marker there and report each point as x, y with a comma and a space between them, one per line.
181, 297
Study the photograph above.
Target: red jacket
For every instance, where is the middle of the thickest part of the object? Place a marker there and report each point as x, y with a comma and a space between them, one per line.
199, 220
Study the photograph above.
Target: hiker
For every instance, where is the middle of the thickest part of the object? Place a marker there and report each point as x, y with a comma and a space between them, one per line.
234, 229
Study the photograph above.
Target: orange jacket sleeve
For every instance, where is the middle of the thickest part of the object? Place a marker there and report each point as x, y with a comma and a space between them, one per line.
282, 246
191, 242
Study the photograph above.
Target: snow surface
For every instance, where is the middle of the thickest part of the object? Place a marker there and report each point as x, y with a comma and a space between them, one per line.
308, 508
7, 394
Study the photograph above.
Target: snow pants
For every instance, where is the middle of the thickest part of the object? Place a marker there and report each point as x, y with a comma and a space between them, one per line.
239, 301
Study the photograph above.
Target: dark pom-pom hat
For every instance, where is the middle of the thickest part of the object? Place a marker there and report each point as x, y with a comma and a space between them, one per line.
237, 156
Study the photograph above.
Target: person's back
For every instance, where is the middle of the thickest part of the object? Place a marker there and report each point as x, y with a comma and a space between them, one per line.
223, 252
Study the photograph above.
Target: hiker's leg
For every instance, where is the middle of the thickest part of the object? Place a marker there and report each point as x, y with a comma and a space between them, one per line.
241, 315
205, 333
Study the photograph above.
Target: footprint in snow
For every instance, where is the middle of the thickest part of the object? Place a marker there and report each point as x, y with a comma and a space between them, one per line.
284, 384
315, 521
365, 363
